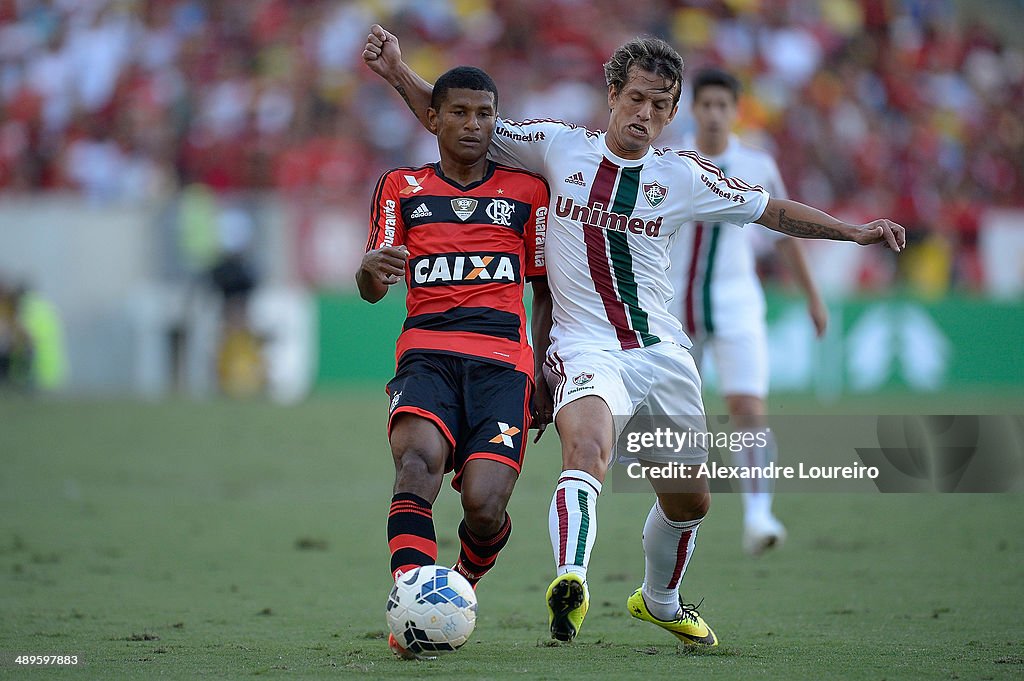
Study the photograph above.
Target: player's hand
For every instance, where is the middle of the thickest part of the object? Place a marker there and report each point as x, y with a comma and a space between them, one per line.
387, 264
819, 316
382, 53
882, 231
543, 406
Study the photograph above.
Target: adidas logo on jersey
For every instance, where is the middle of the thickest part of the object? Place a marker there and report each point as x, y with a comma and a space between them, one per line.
421, 212
577, 178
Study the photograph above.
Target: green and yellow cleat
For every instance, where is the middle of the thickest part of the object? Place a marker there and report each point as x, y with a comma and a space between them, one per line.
689, 627
568, 601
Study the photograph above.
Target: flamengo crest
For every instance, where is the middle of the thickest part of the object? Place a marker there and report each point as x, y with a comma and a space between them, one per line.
500, 212
655, 193
464, 208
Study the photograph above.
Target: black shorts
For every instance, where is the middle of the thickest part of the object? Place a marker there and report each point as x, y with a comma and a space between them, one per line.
482, 409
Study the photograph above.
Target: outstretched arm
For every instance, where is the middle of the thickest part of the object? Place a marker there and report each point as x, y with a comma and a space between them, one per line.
797, 219
791, 251
384, 57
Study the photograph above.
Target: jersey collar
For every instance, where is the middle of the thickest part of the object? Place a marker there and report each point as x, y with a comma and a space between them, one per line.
624, 162
472, 185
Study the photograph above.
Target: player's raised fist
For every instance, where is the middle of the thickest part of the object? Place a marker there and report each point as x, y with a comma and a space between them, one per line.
382, 53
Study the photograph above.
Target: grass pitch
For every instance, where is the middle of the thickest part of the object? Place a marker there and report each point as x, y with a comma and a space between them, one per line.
244, 540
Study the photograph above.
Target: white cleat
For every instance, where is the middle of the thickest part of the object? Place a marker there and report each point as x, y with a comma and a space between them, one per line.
763, 533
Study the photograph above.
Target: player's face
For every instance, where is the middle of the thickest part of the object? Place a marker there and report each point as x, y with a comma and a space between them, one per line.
639, 112
714, 110
464, 125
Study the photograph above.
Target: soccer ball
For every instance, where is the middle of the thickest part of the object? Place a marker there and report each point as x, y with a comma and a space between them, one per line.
431, 609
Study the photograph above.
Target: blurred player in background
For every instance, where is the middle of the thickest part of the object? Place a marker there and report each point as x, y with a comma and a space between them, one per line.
465, 233
616, 349
719, 298
16, 347
33, 354
241, 365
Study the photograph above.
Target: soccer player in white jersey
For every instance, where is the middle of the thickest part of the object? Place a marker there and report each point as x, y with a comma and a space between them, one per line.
719, 300
616, 349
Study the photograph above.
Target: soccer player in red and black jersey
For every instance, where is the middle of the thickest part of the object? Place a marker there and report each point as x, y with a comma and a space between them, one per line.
465, 233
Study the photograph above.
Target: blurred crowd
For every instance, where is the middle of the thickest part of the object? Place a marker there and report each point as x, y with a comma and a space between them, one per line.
872, 107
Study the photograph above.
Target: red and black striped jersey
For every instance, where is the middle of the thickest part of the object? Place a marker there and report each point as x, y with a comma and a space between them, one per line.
470, 251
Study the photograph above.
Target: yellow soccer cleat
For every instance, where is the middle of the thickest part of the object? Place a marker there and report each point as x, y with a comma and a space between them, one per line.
568, 601
689, 627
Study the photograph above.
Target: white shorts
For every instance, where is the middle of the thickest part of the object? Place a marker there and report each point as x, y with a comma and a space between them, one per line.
740, 357
645, 388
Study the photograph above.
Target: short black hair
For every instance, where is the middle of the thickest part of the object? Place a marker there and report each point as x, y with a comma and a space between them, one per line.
462, 77
716, 77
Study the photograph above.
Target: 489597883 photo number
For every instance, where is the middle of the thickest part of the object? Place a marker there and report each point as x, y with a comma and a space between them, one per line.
46, 660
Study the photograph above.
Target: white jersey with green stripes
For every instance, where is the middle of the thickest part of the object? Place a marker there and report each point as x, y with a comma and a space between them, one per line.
611, 225
713, 267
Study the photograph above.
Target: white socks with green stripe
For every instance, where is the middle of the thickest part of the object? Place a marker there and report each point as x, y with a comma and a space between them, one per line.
668, 545
572, 521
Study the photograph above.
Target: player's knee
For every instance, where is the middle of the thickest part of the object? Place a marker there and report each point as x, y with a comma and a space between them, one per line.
747, 410
484, 514
585, 453
684, 507
417, 464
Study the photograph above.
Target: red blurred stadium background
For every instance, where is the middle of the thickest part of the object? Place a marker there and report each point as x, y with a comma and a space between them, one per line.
253, 125
882, 107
